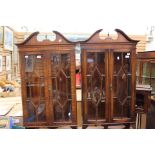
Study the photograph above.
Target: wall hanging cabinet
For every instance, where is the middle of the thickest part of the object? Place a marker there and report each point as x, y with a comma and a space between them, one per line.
108, 80
48, 81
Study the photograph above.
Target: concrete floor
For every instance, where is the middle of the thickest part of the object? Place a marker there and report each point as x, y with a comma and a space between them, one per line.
11, 106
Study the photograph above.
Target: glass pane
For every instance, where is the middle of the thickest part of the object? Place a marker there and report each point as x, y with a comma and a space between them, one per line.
96, 86
137, 72
95, 61
146, 69
153, 70
36, 113
153, 84
121, 110
121, 84
61, 87
146, 81
153, 77
35, 88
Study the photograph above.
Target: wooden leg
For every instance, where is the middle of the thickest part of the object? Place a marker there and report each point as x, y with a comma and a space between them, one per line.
105, 126
31, 128
84, 126
52, 127
127, 126
74, 127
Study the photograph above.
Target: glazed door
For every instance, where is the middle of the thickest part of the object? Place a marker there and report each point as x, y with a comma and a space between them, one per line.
94, 72
62, 88
120, 85
34, 77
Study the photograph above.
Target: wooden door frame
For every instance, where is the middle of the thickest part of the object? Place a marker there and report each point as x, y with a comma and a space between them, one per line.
23, 86
84, 85
73, 88
132, 68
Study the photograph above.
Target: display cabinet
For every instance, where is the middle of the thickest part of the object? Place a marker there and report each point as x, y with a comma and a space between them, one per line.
48, 81
108, 80
146, 69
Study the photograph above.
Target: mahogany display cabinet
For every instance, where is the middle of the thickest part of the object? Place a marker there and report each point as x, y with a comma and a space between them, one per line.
108, 80
146, 69
48, 81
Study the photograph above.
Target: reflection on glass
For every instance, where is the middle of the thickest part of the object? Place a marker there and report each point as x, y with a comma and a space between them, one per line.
148, 76
121, 110
146, 69
146, 73
61, 87
35, 88
153, 77
146, 80
137, 72
36, 112
29, 63
153, 70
